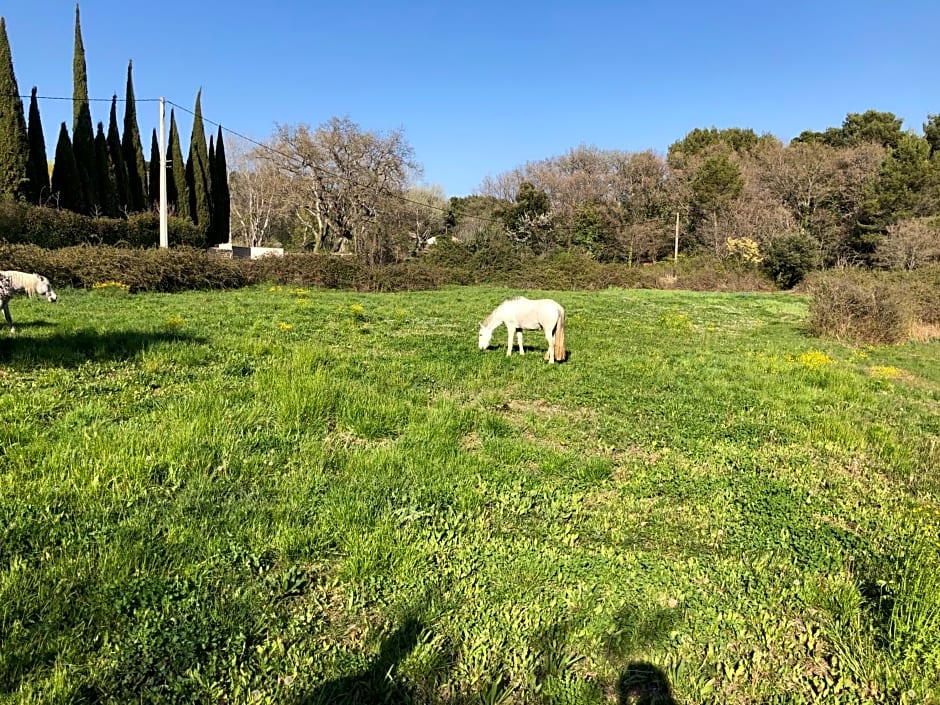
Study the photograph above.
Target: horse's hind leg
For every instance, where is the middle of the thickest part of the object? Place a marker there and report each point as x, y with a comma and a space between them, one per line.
550, 353
6, 315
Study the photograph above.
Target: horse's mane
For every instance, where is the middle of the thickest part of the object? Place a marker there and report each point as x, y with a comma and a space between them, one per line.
23, 281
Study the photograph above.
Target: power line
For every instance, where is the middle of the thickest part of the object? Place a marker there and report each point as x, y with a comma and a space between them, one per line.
288, 157
322, 170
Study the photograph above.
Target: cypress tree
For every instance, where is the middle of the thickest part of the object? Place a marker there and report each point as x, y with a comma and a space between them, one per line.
197, 173
66, 184
133, 150
104, 176
14, 145
221, 198
154, 172
176, 189
37, 166
121, 185
83, 136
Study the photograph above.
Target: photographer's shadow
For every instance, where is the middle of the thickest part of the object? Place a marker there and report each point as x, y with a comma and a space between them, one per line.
644, 684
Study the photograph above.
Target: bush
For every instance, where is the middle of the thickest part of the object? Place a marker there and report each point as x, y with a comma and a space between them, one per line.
859, 309
789, 258
168, 270
52, 228
305, 269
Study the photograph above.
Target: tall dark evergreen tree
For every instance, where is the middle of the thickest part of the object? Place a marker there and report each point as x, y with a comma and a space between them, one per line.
66, 183
133, 150
154, 172
198, 173
221, 199
37, 166
14, 145
121, 183
176, 189
104, 176
83, 136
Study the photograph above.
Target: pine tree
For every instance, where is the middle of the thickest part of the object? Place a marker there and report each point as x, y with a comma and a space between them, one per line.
133, 150
66, 184
37, 166
221, 199
176, 189
104, 176
197, 173
14, 144
121, 184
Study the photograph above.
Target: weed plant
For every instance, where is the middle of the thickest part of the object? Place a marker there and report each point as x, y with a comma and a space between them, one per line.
290, 495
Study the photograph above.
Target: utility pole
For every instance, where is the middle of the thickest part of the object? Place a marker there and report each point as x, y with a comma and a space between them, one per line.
164, 233
675, 259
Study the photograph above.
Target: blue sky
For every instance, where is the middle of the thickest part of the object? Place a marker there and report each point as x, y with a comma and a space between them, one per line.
480, 88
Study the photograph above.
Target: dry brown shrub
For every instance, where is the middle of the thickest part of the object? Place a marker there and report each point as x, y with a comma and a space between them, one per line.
859, 309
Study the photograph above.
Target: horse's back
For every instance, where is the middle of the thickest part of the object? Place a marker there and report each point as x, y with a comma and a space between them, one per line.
531, 313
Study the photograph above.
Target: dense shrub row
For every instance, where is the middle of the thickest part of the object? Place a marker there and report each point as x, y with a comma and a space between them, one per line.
190, 268
52, 228
167, 270
870, 307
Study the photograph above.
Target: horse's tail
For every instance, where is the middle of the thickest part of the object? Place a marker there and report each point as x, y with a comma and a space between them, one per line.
560, 336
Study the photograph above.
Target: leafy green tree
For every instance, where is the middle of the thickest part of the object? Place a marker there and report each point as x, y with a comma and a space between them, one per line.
932, 133
154, 177
104, 176
198, 172
590, 229
83, 139
717, 184
872, 126
700, 141
858, 128
133, 151
176, 188
37, 167
14, 143
530, 202
116, 155
528, 221
903, 189
221, 198
66, 183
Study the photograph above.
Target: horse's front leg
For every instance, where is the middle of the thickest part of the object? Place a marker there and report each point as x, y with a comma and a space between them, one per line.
511, 331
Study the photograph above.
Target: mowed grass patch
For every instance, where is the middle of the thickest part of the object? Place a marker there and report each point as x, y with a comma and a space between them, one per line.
291, 495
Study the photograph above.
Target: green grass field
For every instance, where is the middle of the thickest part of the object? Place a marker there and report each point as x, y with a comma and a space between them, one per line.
278, 495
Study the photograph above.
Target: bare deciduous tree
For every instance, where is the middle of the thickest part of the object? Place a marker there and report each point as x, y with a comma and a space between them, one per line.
344, 179
259, 194
910, 244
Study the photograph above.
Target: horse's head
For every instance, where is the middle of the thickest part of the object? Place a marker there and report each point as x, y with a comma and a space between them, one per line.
485, 335
44, 288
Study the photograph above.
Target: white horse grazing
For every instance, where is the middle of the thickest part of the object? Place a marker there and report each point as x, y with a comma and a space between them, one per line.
12, 281
519, 314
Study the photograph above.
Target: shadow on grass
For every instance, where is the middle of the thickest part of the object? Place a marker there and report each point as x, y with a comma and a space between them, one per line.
376, 683
644, 684
641, 683
22, 351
